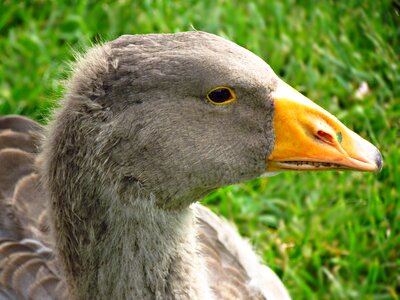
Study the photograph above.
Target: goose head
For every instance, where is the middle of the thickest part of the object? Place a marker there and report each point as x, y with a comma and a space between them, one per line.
179, 115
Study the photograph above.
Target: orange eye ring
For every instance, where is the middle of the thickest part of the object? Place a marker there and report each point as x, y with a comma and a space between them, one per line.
221, 95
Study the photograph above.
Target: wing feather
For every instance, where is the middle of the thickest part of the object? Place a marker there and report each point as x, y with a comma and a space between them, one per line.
231, 260
28, 268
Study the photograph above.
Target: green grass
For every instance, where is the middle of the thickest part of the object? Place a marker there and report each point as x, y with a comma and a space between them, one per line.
329, 235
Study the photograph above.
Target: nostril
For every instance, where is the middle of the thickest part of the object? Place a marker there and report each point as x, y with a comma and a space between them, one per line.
326, 137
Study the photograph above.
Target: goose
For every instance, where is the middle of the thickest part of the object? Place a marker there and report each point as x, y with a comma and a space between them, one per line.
103, 202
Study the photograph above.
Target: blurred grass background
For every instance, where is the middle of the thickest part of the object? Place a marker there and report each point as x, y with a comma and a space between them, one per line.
331, 235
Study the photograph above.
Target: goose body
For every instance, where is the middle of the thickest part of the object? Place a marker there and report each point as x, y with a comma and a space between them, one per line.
102, 204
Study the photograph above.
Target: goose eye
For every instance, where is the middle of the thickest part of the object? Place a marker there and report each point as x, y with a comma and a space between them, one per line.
221, 95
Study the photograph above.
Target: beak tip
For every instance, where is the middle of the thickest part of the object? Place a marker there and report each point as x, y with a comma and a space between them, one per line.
378, 161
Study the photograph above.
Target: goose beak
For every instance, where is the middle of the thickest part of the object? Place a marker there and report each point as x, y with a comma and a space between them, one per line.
309, 138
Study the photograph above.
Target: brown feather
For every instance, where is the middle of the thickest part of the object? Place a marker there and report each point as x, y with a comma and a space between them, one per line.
45, 288
17, 140
15, 164
19, 124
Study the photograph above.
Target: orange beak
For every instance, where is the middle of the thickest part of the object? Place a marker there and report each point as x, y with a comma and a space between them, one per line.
309, 138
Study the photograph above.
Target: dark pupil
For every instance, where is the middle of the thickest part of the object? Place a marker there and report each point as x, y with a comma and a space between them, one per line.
220, 95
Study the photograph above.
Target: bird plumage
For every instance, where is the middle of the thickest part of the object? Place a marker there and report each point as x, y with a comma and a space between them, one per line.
102, 203
29, 267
